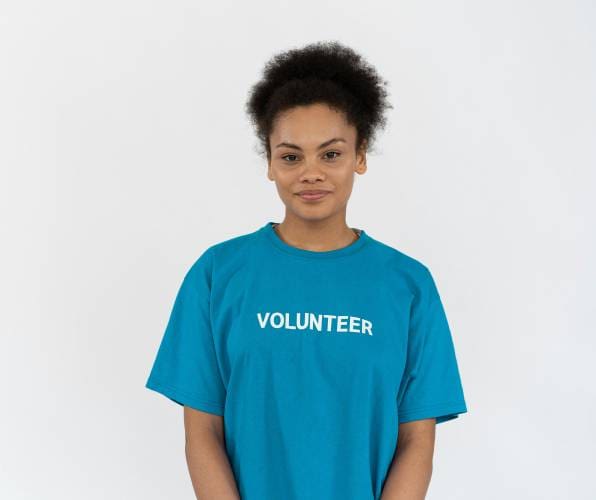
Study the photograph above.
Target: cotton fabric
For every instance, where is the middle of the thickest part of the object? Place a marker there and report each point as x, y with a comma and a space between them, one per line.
312, 358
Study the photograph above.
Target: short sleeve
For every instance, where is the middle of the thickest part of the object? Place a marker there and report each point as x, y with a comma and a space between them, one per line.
185, 368
431, 385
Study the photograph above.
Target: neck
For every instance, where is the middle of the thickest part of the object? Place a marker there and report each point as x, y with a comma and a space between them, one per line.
322, 238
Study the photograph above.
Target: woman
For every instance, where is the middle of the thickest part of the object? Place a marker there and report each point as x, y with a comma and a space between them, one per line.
312, 360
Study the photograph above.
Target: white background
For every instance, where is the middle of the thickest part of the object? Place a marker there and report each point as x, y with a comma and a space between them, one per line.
125, 152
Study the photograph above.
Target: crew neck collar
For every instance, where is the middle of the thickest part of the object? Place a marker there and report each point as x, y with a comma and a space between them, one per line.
274, 238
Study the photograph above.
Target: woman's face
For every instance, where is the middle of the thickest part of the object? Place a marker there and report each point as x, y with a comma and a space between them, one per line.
313, 148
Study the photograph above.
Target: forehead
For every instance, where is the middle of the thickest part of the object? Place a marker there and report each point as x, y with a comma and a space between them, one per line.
311, 125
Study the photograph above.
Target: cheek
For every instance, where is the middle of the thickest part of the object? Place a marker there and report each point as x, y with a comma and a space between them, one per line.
343, 181
284, 185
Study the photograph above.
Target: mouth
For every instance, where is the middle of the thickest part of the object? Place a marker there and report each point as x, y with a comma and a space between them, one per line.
312, 194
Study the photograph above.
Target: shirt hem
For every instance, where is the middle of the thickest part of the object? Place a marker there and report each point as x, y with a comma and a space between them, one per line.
443, 412
183, 398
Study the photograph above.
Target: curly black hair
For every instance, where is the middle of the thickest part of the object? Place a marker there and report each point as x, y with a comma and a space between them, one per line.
320, 72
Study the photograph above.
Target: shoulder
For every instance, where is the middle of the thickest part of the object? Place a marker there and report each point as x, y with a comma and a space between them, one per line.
221, 255
405, 272
397, 262
232, 247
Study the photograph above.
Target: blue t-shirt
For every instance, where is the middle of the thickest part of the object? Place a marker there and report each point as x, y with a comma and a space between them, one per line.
312, 358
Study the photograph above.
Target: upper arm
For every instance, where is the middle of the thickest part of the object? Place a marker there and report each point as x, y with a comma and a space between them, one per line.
417, 431
186, 367
197, 422
431, 387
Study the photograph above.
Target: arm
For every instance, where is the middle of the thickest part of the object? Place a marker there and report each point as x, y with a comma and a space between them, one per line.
208, 464
410, 472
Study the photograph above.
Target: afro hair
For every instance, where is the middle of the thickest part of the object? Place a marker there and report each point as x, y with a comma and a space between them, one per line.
320, 72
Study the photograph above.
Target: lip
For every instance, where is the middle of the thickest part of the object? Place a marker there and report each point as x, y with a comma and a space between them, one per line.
313, 194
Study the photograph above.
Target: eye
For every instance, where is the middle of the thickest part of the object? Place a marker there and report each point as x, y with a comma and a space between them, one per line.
288, 157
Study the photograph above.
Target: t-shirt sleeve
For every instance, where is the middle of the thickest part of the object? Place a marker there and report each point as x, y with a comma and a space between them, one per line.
431, 386
185, 368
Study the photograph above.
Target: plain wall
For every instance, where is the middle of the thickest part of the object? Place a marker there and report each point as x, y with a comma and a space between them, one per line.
125, 152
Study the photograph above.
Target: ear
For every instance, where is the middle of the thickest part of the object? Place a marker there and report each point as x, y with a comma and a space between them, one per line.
269, 171
361, 158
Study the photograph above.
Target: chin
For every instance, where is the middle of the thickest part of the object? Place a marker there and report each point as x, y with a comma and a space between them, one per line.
313, 214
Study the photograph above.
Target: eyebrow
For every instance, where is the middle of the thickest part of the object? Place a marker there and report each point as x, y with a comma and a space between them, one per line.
326, 143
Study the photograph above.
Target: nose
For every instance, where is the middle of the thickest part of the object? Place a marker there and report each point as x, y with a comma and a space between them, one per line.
312, 171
